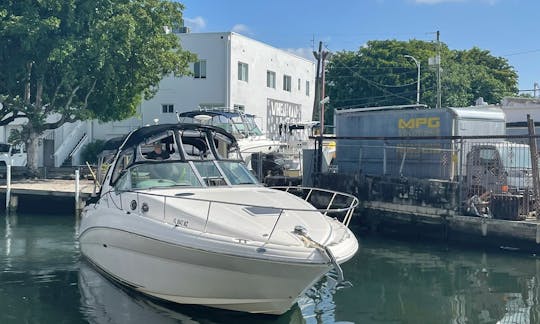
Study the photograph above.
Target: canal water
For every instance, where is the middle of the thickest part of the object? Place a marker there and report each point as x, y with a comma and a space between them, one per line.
44, 280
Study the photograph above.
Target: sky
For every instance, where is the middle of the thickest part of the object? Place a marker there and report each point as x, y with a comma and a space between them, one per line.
506, 28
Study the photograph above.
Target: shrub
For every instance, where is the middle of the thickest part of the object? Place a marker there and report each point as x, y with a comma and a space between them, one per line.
91, 151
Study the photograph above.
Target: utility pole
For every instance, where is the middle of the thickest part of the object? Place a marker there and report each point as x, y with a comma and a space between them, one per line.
318, 105
438, 70
315, 113
323, 101
534, 164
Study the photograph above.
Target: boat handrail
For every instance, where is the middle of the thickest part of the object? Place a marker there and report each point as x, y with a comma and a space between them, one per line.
349, 210
325, 211
279, 211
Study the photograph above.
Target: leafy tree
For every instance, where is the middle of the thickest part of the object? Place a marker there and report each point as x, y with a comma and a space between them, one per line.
379, 74
68, 60
91, 150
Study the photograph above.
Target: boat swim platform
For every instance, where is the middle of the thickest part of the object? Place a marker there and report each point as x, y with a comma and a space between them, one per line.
51, 192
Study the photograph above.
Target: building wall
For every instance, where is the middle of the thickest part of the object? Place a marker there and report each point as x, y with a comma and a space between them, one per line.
222, 87
187, 93
271, 105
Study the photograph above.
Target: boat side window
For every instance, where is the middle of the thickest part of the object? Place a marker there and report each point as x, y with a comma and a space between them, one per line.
252, 127
196, 147
222, 122
124, 182
124, 160
239, 125
159, 149
225, 149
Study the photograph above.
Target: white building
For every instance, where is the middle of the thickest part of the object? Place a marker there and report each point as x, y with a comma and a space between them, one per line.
235, 71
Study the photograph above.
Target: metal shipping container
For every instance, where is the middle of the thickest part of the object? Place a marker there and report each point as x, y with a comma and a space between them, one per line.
431, 158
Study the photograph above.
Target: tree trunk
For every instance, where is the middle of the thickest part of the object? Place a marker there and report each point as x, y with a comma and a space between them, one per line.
32, 149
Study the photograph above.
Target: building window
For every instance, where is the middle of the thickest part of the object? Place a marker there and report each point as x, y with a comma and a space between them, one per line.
287, 83
271, 79
307, 88
299, 84
241, 108
167, 109
242, 71
199, 69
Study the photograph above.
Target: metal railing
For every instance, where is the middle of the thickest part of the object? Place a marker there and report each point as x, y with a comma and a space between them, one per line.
76, 131
307, 193
338, 203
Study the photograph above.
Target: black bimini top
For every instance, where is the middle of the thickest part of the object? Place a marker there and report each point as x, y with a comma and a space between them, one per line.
140, 135
228, 114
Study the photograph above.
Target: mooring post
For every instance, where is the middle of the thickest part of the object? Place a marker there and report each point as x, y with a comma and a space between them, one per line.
534, 164
8, 186
77, 194
259, 166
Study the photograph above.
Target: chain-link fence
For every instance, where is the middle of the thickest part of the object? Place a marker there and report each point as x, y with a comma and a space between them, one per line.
482, 176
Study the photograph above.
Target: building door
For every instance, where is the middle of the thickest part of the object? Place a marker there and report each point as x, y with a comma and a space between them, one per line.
48, 153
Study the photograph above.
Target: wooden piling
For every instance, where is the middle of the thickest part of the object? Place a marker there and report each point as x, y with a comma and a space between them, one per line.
77, 192
534, 164
8, 187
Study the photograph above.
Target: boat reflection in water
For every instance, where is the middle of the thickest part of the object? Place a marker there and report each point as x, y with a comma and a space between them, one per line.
103, 301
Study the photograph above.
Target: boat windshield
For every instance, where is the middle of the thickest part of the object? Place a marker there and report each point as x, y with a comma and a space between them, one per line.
239, 125
154, 175
174, 174
237, 173
251, 126
221, 173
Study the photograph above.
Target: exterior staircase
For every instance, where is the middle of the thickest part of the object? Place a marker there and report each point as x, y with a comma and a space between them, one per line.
74, 136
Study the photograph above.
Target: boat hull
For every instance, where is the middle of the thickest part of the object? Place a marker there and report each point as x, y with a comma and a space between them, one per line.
186, 275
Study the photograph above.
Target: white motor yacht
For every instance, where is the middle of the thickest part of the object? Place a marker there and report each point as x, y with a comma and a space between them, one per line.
242, 126
179, 217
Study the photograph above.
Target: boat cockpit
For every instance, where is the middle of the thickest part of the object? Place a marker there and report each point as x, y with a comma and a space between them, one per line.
179, 155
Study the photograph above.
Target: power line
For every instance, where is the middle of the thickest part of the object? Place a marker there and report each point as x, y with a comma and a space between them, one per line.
376, 97
521, 53
343, 66
341, 77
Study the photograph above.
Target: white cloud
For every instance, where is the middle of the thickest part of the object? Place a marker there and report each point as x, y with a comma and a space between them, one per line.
241, 29
304, 52
196, 24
